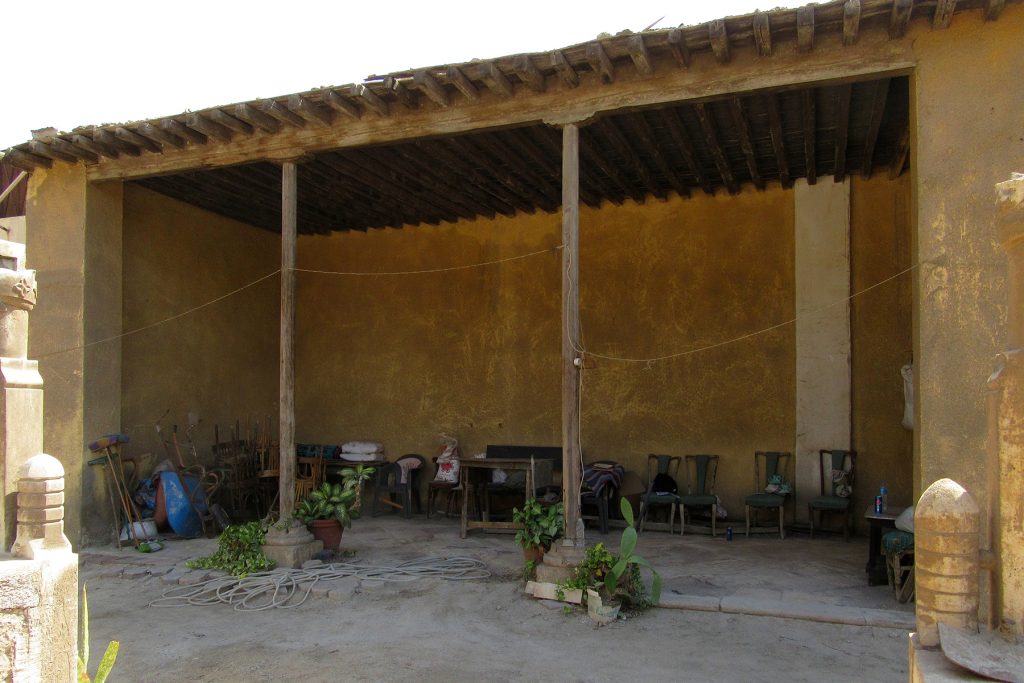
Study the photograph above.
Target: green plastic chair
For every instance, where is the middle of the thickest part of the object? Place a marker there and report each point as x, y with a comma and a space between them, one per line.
830, 500
660, 464
772, 463
701, 472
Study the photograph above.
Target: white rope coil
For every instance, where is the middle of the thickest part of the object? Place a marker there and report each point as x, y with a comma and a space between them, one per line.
287, 588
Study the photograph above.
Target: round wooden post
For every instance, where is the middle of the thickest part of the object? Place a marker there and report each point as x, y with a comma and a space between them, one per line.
289, 229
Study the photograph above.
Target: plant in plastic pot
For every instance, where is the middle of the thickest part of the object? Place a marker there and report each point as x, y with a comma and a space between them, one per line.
540, 526
328, 510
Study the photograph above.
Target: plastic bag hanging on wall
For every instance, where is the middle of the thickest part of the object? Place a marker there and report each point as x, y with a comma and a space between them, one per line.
908, 395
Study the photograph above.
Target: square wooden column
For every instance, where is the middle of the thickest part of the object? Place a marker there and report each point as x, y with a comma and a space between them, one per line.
289, 230
572, 358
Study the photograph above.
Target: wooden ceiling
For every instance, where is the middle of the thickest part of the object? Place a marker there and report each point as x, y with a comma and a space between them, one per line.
718, 145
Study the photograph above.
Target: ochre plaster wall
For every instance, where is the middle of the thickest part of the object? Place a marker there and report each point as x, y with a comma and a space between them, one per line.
969, 107
220, 362
476, 352
880, 234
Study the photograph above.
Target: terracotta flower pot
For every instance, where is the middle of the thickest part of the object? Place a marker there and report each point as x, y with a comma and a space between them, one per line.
327, 530
533, 553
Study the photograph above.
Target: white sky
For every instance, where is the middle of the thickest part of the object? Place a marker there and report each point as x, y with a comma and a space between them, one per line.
92, 62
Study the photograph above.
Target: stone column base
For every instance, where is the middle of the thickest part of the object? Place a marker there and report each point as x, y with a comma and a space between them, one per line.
559, 563
290, 547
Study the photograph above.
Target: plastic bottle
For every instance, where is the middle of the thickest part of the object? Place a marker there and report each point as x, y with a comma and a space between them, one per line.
884, 493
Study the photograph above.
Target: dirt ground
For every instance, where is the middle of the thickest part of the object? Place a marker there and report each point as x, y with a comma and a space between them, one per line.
435, 630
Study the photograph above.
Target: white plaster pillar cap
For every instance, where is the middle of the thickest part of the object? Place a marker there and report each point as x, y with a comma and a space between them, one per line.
42, 466
943, 497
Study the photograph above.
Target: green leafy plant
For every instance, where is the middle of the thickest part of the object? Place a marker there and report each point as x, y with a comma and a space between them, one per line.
529, 570
106, 663
342, 502
540, 525
617, 577
239, 552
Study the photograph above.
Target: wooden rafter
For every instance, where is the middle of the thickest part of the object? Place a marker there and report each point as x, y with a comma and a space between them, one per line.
762, 28
182, 131
282, 113
591, 156
406, 203
133, 138
48, 152
458, 78
944, 11
408, 97
432, 88
496, 80
256, 118
460, 166
609, 130
26, 160
310, 110
711, 137
529, 73
535, 184
594, 188
342, 104
739, 119
228, 121
718, 36
771, 105
879, 98
208, 127
638, 53
75, 151
851, 21
677, 132
809, 120
94, 147
993, 8
107, 138
161, 136
805, 28
677, 45
600, 63
842, 109
566, 72
370, 99
899, 18
643, 132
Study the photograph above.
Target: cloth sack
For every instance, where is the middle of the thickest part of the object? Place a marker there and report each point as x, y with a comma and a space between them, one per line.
448, 461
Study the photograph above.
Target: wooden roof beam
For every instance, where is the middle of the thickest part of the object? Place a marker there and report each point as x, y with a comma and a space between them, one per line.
638, 53
676, 130
229, 121
404, 202
565, 70
879, 98
341, 103
492, 156
805, 28
94, 147
739, 119
310, 110
600, 63
676, 41
842, 130
370, 99
407, 188
408, 98
254, 117
208, 127
496, 80
771, 104
590, 156
182, 131
810, 131
74, 150
133, 138
460, 80
520, 140
529, 73
27, 161
41, 149
543, 188
465, 194
281, 113
460, 165
708, 126
161, 136
463, 202
107, 138
432, 87
718, 35
650, 141
610, 130
851, 21
899, 18
762, 28
592, 187
944, 11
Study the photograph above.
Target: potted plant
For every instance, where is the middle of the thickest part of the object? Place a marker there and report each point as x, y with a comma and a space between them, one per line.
328, 510
539, 526
610, 580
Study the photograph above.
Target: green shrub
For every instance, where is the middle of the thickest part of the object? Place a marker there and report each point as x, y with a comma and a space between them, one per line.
240, 551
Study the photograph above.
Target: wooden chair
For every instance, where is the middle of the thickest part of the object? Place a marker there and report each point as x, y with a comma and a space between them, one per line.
836, 477
241, 482
309, 475
772, 463
268, 456
450, 489
701, 472
666, 465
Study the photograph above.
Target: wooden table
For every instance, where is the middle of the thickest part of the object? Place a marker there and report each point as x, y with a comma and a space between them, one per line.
466, 465
877, 523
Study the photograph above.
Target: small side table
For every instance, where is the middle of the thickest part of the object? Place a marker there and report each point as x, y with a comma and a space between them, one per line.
877, 523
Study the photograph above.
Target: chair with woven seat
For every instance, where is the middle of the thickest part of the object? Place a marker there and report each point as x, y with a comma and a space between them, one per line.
775, 466
601, 482
436, 487
701, 471
836, 476
661, 470
310, 473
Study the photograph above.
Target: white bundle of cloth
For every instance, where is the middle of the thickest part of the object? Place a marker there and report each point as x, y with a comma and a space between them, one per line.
362, 451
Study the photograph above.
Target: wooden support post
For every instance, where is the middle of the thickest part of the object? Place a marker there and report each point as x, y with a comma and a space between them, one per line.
289, 226
572, 468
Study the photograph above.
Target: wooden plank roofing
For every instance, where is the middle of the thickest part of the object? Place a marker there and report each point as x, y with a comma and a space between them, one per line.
753, 137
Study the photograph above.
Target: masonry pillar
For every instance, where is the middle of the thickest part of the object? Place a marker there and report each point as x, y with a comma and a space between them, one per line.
823, 405
1010, 566
74, 232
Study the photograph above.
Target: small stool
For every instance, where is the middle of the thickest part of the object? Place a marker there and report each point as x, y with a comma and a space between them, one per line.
898, 547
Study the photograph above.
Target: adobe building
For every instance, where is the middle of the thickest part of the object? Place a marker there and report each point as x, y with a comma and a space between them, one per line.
761, 220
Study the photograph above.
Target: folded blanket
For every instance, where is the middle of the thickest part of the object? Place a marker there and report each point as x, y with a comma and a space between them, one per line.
599, 475
362, 447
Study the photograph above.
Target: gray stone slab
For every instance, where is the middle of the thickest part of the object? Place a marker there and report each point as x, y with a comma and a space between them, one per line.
193, 577
172, 577
701, 603
135, 572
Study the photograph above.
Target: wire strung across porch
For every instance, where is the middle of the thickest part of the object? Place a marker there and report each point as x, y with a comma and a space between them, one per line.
287, 588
